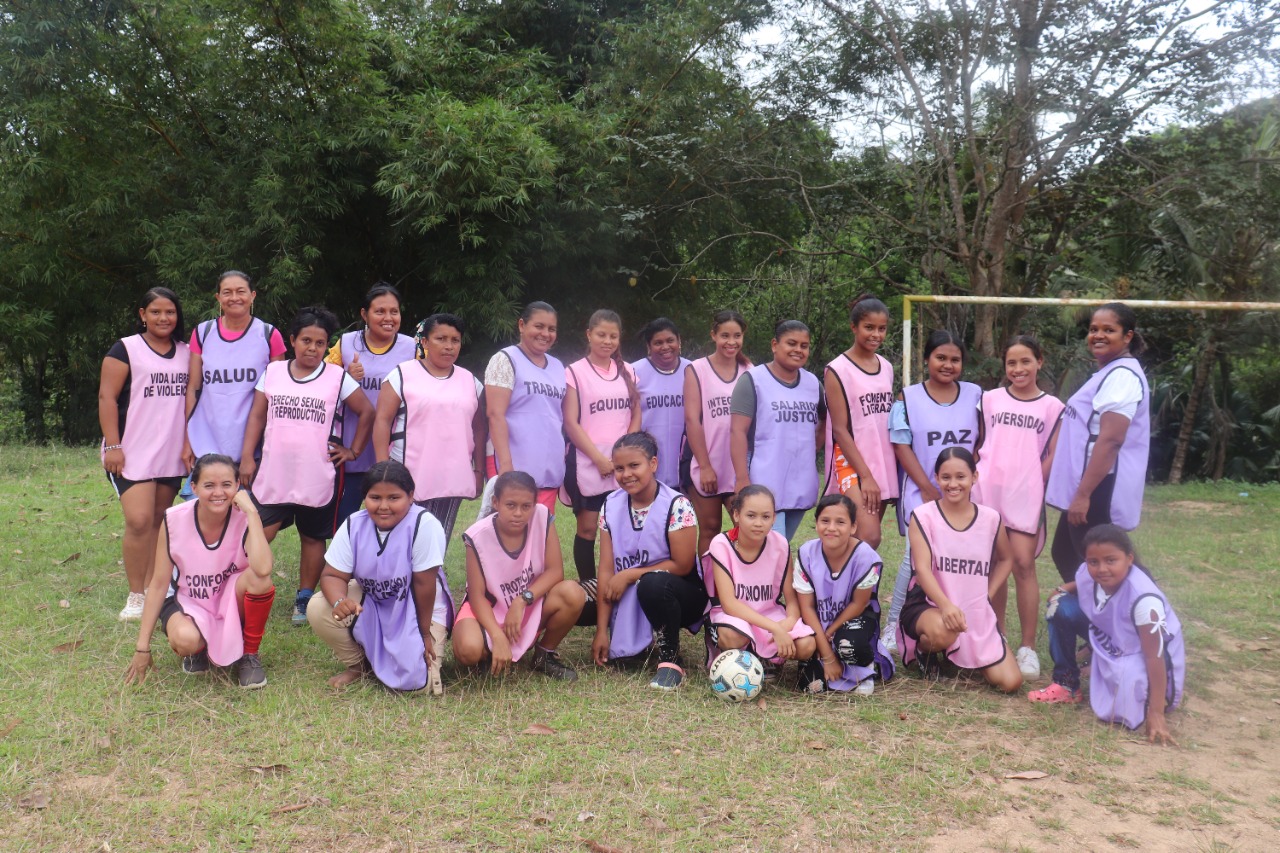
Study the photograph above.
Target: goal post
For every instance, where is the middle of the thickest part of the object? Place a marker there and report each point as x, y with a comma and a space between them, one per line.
1177, 304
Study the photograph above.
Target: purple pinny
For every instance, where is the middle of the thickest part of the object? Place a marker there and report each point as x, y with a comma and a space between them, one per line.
377, 367
629, 629
1075, 442
662, 413
784, 449
535, 421
230, 371
935, 427
1118, 685
387, 627
832, 593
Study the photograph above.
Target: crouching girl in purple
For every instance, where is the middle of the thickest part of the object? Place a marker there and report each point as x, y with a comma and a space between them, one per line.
384, 605
1138, 651
648, 550
755, 606
837, 577
515, 585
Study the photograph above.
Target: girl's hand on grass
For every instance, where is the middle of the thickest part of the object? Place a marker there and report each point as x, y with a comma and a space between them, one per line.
1158, 731
500, 654
600, 648
138, 668
832, 669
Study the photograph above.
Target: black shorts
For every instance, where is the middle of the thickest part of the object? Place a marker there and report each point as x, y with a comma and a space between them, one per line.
578, 501
121, 485
167, 611
915, 605
314, 522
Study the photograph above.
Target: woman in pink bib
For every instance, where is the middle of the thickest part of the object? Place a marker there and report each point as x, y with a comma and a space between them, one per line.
141, 409
215, 560
517, 597
859, 388
754, 605
960, 555
708, 391
1020, 430
601, 405
430, 417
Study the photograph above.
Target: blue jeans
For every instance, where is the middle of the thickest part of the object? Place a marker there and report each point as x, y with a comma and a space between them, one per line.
1066, 626
787, 522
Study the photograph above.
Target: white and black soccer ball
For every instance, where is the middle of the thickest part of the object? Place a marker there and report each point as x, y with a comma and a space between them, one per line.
737, 676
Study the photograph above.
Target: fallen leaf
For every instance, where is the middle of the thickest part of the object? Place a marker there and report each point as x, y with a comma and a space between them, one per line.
103, 742
583, 817
1027, 774
816, 744
541, 820
17, 550
1277, 701
902, 716
69, 647
265, 770
105, 848
597, 847
681, 751
538, 729
1244, 720
294, 807
70, 559
10, 726
1263, 649
761, 705
40, 607
64, 604
34, 800
85, 589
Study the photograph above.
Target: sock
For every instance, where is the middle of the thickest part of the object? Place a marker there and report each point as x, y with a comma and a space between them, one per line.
302, 598
256, 607
584, 557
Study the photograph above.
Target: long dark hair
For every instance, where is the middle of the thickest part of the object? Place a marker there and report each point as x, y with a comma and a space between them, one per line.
1128, 321
179, 329
864, 305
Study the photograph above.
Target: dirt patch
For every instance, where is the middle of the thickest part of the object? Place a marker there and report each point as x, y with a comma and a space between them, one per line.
1214, 792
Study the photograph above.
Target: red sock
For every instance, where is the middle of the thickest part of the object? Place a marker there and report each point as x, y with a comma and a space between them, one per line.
256, 609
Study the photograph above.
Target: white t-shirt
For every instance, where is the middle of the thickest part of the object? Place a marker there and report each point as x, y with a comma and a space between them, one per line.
349, 385
801, 585
1147, 610
428, 553
395, 383
1121, 392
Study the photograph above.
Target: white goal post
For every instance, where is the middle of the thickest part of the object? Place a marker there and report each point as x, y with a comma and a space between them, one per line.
1179, 304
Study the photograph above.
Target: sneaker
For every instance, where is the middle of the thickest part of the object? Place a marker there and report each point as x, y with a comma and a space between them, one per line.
197, 664
548, 663
252, 675
1028, 662
772, 670
667, 678
930, 666
132, 611
865, 687
890, 638
1056, 694
300, 611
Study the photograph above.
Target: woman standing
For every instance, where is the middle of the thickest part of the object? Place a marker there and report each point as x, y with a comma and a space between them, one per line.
524, 388
141, 408
708, 389
228, 355
778, 417
660, 381
369, 354
429, 417
1100, 466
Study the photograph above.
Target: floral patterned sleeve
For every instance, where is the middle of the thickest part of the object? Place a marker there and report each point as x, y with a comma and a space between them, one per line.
682, 515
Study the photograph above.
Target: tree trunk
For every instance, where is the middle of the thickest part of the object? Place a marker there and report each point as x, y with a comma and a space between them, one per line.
1203, 362
34, 398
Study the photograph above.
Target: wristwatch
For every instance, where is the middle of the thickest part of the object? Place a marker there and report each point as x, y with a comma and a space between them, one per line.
527, 595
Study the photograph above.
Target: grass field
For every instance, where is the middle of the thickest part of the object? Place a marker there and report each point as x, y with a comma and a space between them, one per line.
186, 763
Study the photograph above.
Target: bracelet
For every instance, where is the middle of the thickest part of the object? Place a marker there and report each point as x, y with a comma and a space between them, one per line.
829, 660
107, 447
143, 651
339, 601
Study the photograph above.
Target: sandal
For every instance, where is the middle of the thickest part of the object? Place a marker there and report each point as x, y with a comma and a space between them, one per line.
1056, 694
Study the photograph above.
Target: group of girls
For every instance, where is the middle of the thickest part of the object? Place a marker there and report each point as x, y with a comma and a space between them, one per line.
393, 423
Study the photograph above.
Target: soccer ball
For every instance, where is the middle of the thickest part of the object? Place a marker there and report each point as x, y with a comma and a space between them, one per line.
737, 676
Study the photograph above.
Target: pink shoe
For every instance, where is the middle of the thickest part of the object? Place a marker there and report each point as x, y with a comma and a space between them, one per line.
1056, 694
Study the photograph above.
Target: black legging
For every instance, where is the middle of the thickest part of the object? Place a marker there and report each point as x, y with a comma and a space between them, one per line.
670, 602
1068, 541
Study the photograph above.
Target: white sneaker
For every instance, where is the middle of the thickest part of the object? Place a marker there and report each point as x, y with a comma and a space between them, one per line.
865, 687
890, 638
1028, 662
132, 607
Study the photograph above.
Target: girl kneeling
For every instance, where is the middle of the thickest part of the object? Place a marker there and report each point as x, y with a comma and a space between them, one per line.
754, 606
1138, 651
220, 583
837, 577
648, 549
960, 554
515, 585
385, 605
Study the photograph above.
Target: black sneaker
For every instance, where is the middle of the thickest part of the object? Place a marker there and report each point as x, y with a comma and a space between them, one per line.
930, 666
252, 675
548, 663
668, 677
197, 664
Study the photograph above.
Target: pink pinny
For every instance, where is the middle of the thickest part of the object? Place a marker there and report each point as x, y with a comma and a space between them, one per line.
156, 420
1010, 479
506, 575
961, 563
870, 398
301, 418
438, 441
715, 393
757, 584
205, 576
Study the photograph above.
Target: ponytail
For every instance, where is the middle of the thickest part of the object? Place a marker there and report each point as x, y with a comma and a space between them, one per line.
864, 305
604, 315
1129, 322
730, 316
